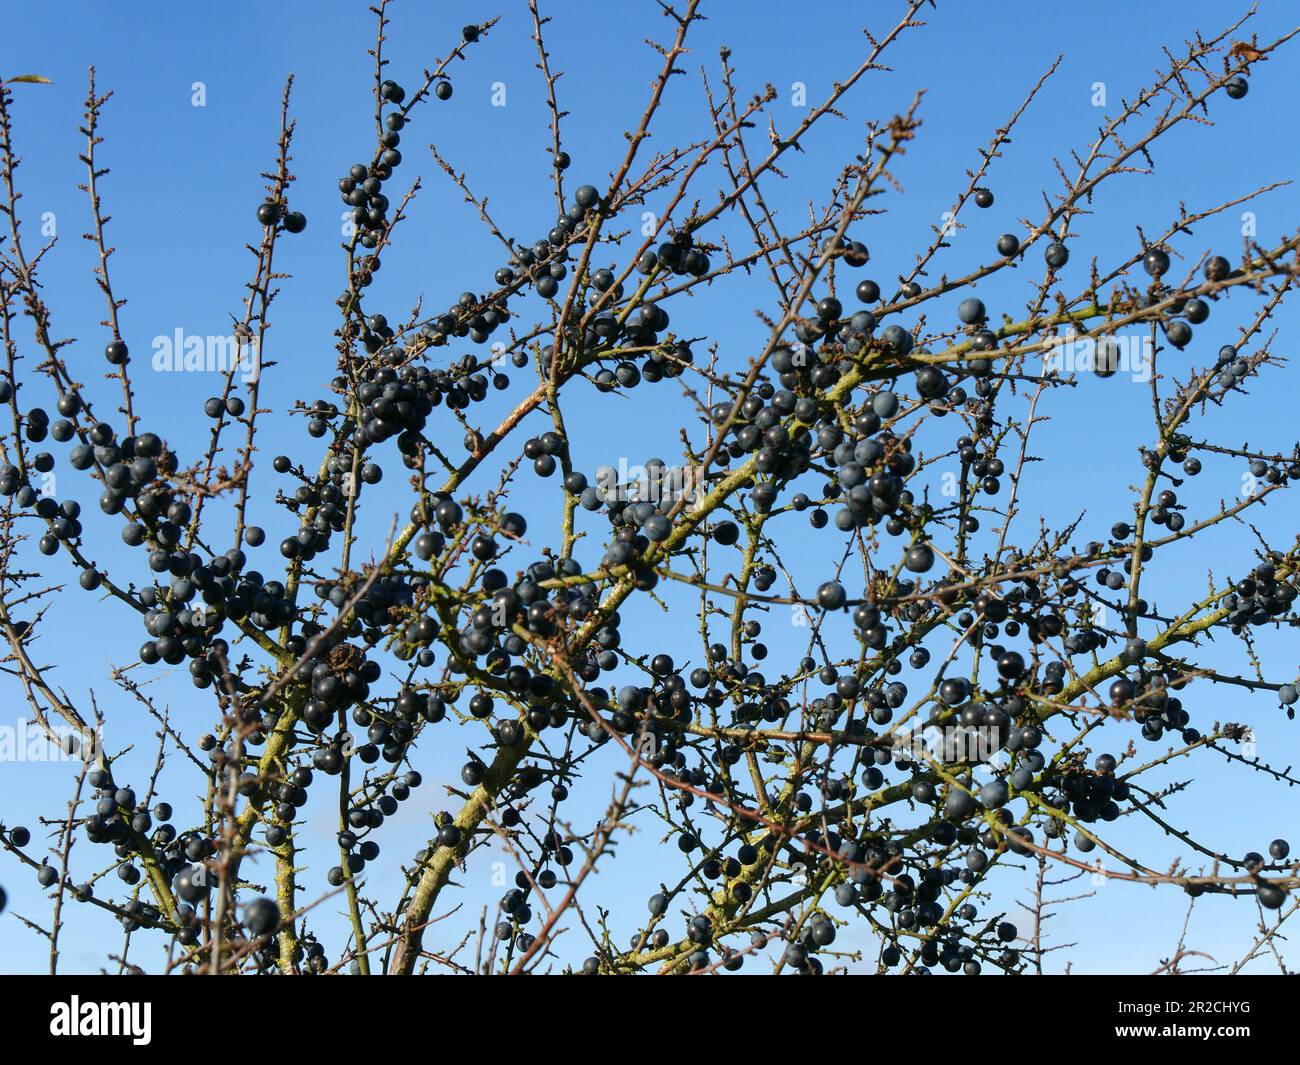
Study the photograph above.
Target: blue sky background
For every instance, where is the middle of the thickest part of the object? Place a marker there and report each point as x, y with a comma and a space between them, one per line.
184, 186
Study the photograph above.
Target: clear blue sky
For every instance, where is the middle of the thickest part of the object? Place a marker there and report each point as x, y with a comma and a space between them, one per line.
184, 185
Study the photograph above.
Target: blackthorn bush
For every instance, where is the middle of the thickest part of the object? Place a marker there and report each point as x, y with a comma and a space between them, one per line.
963, 692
